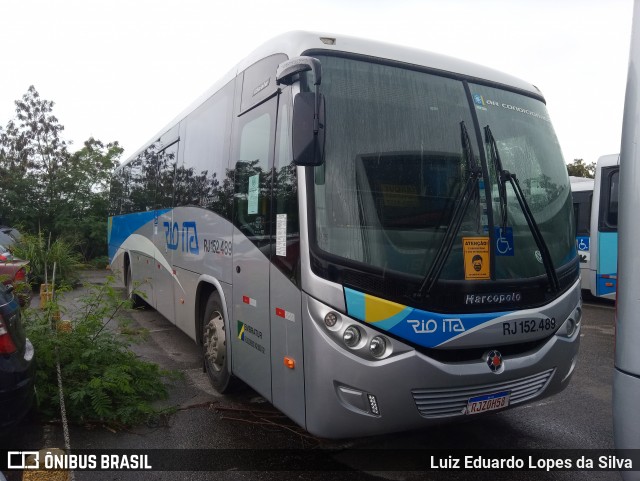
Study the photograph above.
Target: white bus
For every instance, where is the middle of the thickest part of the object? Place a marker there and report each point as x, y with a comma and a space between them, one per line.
595, 205
582, 194
374, 238
604, 225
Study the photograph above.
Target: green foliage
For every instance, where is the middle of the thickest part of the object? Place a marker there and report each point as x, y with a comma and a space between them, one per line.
84, 212
103, 380
100, 262
45, 187
41, 252
32, 153
579, 169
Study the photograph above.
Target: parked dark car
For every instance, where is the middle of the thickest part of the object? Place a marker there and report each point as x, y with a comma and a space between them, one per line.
17, 368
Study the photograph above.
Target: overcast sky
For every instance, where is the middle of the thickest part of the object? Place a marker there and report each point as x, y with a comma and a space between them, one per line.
122, 69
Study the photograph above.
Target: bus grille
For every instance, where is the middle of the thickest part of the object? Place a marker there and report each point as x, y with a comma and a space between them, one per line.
439, 403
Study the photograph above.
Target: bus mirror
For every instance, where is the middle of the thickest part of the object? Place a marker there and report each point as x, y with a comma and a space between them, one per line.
287, 71
308, 131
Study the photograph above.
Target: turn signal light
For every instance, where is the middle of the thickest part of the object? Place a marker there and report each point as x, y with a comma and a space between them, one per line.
289, 362
331, 319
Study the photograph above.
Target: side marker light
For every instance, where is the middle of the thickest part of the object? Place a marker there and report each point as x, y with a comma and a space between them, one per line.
289, 362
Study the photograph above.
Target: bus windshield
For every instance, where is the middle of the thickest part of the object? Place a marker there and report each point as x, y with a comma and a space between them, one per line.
396, 166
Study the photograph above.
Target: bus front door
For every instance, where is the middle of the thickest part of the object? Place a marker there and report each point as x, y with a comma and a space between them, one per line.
249, 328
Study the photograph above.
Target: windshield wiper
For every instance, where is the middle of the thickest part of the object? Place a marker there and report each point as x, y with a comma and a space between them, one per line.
503, 177
461, 205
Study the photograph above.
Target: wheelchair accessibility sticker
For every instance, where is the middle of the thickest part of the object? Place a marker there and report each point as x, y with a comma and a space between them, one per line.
504, 241
583, 243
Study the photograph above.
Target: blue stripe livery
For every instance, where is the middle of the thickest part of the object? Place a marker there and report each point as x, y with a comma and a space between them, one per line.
428, 329
122, 226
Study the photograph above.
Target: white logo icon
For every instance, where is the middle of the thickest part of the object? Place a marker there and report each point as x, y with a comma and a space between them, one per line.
21, 458
431, 326
423, 327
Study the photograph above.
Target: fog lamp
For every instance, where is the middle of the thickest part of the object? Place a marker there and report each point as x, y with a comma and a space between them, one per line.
378, 346
352, 336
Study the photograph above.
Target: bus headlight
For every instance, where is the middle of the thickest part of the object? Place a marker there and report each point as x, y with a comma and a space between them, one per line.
352, 336
574, 321
571, 327
577, 314
378, 346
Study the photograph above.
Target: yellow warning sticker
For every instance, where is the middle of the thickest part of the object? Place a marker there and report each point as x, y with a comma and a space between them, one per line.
477, 265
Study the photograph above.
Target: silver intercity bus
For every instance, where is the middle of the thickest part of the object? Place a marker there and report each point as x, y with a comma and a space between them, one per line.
374, 238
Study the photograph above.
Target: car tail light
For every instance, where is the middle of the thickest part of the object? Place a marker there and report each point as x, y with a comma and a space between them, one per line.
6, 343
21, 275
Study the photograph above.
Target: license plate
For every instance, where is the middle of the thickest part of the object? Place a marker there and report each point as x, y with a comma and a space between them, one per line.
488, 402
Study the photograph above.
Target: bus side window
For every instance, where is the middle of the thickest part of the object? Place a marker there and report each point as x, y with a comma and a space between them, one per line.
143, 179
285, 224
116, 192
582, 212
166, 176
612, 205
253, 178
202, 176
608, 208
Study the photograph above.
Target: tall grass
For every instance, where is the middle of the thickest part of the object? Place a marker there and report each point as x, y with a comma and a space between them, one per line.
42, 252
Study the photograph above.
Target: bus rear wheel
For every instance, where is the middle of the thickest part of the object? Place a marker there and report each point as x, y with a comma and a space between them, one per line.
135, 299
214, 345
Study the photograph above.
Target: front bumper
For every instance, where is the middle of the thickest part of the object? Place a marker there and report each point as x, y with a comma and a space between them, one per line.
411, 390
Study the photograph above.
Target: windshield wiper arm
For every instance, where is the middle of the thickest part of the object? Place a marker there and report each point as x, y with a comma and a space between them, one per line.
461, 204
503, 177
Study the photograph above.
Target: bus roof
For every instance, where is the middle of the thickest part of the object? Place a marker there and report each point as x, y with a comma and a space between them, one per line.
580, 184
298, 43
609, 160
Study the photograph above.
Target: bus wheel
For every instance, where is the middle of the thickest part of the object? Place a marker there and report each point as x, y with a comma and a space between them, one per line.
214, 345
134, 298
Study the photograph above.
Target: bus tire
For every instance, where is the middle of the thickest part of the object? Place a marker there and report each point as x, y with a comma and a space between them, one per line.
214, 345
135, 299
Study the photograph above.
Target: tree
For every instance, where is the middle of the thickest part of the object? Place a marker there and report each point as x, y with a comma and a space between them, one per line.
44, 187
31, 155
82, 213
579, 169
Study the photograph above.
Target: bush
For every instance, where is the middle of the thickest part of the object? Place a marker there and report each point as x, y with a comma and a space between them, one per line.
100, 262
103, 380
42, 253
